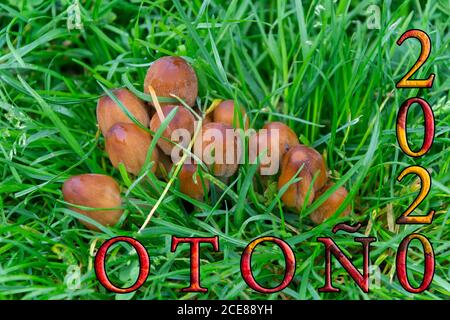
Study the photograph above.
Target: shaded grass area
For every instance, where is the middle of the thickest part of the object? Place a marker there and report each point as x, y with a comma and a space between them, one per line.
314, 65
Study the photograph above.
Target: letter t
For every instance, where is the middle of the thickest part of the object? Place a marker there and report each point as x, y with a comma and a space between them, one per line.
195, 259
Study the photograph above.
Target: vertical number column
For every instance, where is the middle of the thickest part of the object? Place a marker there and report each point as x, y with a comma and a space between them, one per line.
422, 173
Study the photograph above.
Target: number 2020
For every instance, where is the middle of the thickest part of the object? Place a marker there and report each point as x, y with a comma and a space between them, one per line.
401, 130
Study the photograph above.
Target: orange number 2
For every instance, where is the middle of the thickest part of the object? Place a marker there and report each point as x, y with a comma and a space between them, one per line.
425, 42
425, 186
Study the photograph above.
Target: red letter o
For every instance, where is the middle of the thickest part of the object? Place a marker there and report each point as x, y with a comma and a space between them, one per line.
144, 264
246, 268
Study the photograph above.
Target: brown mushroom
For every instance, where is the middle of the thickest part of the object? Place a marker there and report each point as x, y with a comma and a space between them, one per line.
109, 112
128, 144
172, 75
331, 204
262, 144
218, 147
295, 195
313, 162
225, 113
287, 137
94, 191
183, 119
191, 183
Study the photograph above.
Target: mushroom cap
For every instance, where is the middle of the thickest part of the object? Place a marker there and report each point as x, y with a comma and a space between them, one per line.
225, 113
295, 195
109, 112
287, 137
218, 146
128, 144
94, 191
313, 162
191, 183
172, 75
331, 204
183, 119
269, 162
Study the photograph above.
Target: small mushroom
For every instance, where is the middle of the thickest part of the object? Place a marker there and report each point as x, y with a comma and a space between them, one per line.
94, 191
313, 162
109, 112
262, 144
331, 204
295, 195
128, 144
183, 119
172, 75
191, 182
218, 147
225, 113
287, 137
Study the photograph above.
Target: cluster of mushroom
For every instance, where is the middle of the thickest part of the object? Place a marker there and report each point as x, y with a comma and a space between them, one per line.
129, 127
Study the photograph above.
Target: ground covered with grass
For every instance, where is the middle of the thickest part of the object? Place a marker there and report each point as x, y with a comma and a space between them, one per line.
322, 67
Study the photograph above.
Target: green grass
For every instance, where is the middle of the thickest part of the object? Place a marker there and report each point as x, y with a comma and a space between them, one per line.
323, 72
